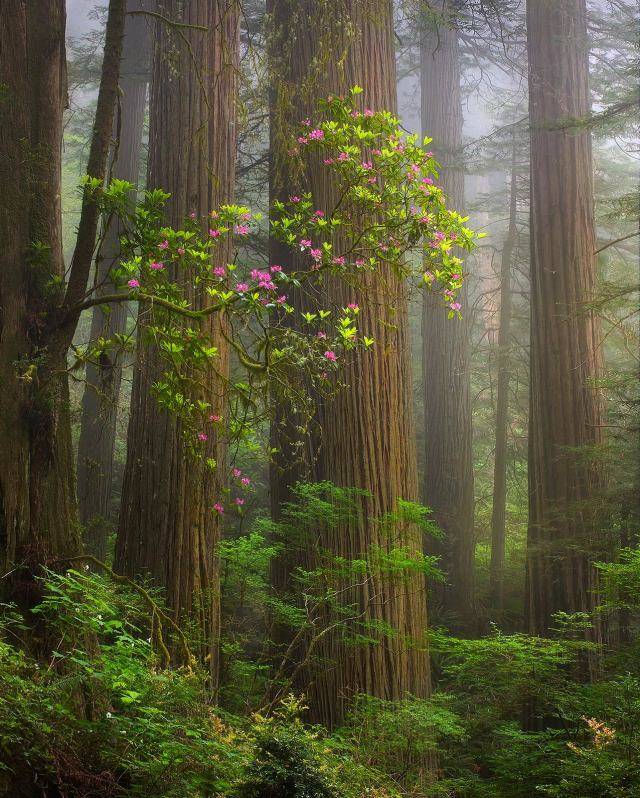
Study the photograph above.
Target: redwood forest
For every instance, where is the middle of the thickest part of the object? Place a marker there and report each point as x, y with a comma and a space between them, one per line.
319, 398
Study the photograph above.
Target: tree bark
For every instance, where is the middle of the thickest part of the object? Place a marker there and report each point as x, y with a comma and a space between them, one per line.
168, 529
498, 516
448, 477
102, 388
565, 479
366, 435
37, 500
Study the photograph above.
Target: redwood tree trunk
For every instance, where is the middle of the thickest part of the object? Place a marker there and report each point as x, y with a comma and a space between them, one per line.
102, 389
37, 502
168, 529
37, 519
566, 410
498, 516
448, 477
366, 436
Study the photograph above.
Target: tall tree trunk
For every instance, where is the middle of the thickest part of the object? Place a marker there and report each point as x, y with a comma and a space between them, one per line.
168, 529
448, 478
102, 389
367, 434
37, 499
37, 518
565, 479
498, 516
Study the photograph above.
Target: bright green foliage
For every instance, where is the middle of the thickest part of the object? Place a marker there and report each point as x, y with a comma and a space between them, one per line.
387, 205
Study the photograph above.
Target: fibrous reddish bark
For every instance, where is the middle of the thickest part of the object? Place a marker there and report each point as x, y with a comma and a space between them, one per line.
566, 410
366, 434
37, 500
168, 529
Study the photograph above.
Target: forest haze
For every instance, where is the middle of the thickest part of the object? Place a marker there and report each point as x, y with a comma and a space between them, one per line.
319, 398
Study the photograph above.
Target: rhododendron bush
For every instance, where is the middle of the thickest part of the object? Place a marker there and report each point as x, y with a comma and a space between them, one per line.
388, 212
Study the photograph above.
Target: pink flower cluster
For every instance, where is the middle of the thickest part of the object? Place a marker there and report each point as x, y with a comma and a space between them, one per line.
263, 279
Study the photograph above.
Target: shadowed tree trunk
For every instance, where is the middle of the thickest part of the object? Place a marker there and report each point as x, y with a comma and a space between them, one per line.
168, 529
566, 412
448, 478
366, 435
37, 499
498, 516
102, 389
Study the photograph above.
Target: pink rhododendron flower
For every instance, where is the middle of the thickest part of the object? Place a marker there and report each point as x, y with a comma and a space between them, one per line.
156, 266
359, 261
180, 251
455, 276
192, 215
242, 229
236, 473
134, 283
340, 260
163, 245
281, 299
239, 501
319, 214
330, 356
302, 140
275, 268
321, 334
305, 243
316, 134
367, 165
455, 306
344, 156
218, 508
353, 306
294, 199
202, 436
245, 481
215, 418
241, 288
219, 271
368, 112
316, 254
328, 161
214, 233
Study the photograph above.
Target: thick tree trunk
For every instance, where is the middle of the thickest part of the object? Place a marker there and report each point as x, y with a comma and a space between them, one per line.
448, 478
37, 501
366, 436
565, 479
37, 519
168, 529
102, 389
498, 516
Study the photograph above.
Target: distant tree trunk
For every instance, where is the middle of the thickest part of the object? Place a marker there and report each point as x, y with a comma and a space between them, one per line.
498, 516
38, 520
448, 478
366, 434
102, 389
565, 479
168, 529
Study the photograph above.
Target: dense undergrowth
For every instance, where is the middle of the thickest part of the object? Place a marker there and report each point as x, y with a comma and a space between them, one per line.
99, 716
